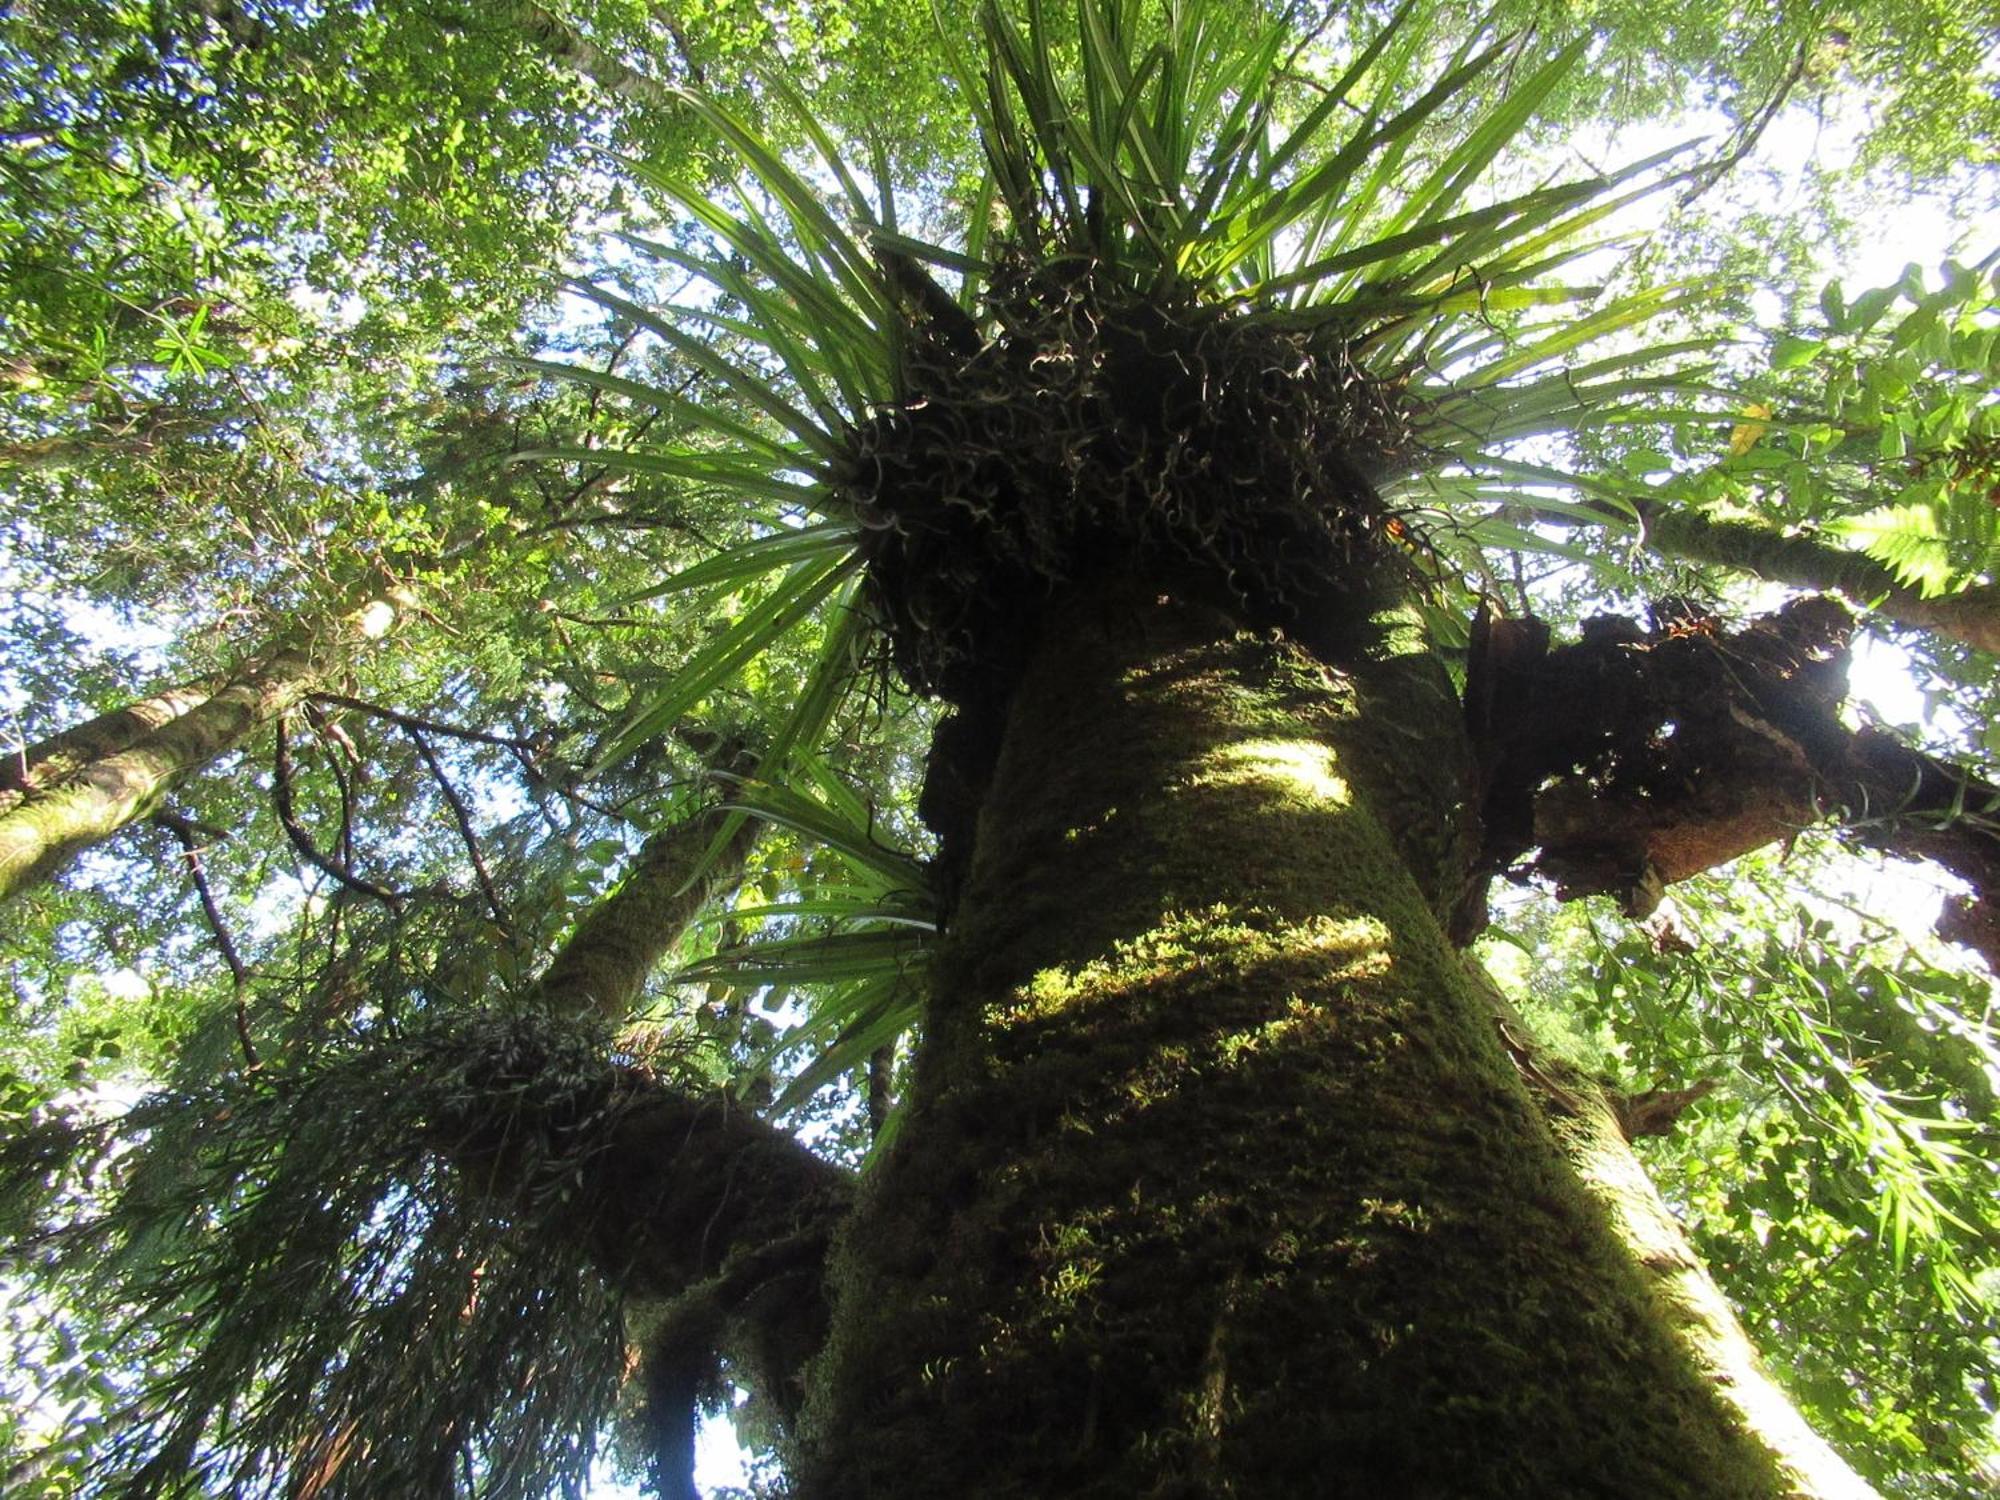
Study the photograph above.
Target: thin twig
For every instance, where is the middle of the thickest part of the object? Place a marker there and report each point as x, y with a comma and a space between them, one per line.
464, 821
608, 621
190, 837
345, 791
613, 811
1701, 179
288, 817
423, 725
664, 14
602, 476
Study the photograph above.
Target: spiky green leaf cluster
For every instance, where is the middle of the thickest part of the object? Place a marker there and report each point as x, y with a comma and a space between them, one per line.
1178, 168
854, 935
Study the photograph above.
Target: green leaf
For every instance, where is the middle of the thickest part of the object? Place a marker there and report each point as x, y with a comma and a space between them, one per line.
1788, 352
854, 841
719, 469
706, 417
753, 559
804, 587
1907, 539
890, 1010
757, 392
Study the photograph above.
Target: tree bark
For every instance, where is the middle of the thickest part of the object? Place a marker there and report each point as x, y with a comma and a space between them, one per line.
1690, 1302
1216, 1179
1587, 1126
571, 49
722, 1229
721, 1222
78, 788
36, 767
617, 944
1635, 757
1970, 616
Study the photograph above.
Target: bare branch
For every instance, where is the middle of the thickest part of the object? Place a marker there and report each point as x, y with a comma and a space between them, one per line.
520, 746
1701, 179
465, 831
193, 837
283, 796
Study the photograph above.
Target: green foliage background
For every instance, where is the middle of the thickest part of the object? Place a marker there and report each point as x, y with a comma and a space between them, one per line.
279, 328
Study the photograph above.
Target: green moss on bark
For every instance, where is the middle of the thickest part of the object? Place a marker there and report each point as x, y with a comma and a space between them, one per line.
1216, 1181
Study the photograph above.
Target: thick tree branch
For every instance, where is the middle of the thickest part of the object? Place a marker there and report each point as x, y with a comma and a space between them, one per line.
722, 1211
1907, 803
105, 775
1971, 615
32, 768
1639, 756
714, 1223
706, 1213
678, 871
571, 49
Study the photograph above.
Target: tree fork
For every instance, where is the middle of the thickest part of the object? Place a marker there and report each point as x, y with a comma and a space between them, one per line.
721, 1221
1216, 1179
714, 1223
1636, 757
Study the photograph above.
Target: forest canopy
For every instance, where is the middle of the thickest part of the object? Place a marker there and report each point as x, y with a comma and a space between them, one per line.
964, 732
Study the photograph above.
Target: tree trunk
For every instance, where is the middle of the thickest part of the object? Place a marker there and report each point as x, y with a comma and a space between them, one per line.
1689, 1300
719, 1235
1217, 1180
1593, 1135
78, 788
34, 768
1971, 615
569, 48
617, 944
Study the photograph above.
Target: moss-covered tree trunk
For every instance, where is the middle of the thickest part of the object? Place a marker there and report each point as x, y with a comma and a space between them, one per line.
1217, 1181
1595, 1132
35, 768
1971, 615
1689, 1300
602, 969
92, 781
